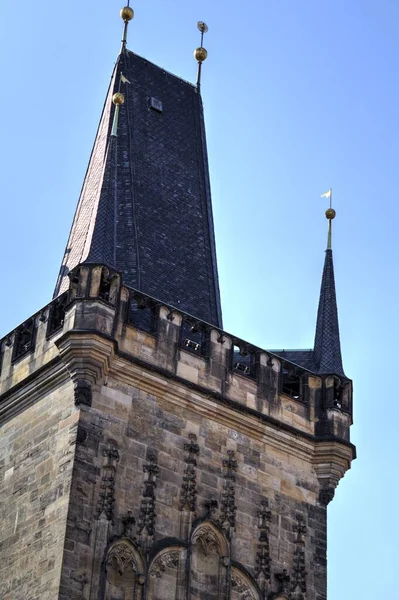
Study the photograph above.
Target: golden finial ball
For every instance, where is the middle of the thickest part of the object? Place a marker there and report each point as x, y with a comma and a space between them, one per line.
118, 99
330, 214
200, 54
127, 13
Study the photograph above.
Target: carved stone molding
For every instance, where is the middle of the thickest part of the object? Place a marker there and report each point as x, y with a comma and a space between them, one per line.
86, 356
128, 522
228, 508
331, 460
241, 586
298, 582
188, 493
167, 560
263, 559
147, 516
208, 541
107, 495
123, 554
284, 580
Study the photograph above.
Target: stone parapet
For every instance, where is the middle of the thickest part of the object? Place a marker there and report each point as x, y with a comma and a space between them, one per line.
161, 338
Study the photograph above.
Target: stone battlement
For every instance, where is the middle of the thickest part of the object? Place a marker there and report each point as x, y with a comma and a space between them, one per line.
143, 331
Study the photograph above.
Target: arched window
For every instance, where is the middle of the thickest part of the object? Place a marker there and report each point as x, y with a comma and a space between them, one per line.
168, 574
208, 562
123, 572
242, 586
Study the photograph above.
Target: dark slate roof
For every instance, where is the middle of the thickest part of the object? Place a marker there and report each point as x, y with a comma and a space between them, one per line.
145, 206
325, 358
302, 358
327, 345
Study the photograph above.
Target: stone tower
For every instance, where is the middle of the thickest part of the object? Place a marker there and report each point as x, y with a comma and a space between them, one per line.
145, 453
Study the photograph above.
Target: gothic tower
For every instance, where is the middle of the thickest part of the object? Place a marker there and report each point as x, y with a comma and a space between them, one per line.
146, 454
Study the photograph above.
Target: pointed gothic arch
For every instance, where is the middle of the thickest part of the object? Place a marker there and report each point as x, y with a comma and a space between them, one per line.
124, 569
243, 587
167, 573
211, 537
209, 560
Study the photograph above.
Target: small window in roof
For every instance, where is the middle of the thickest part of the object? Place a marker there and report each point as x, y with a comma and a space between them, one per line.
156, 105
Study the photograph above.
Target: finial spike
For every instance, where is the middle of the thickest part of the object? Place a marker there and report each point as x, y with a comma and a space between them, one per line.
200, 53
118, 99
330, 215
127, 14
329, 246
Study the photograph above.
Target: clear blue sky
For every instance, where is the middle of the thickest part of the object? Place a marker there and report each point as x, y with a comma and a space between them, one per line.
299, 96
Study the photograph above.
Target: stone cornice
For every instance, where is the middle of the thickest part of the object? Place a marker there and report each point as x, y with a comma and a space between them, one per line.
148, 382
330, 457
32, 388
86, 354
89, 355
176, 391
97, 339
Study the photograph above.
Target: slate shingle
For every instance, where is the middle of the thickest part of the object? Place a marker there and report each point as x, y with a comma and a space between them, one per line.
145, 206
326, 357
327, 344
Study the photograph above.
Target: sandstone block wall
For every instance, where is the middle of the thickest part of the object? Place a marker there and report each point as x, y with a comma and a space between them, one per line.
36, 457
143, 428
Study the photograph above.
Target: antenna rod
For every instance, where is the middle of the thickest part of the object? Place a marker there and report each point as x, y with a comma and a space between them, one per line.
127, 14
200, 53
330, 215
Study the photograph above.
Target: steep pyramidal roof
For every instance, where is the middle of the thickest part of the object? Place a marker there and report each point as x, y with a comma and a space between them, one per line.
325, 358
145, 205
327, 345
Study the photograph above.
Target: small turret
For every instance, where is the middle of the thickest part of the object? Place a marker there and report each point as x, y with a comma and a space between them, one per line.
327, 345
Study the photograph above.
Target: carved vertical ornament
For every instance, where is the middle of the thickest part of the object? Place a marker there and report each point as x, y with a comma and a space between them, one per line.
211, 507
299, 573
228, 508
262, 570
188, 494
146, 521
107, 494
128, 523
283, 579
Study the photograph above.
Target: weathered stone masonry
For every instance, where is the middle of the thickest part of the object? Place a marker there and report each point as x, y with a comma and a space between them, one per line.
161, 463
